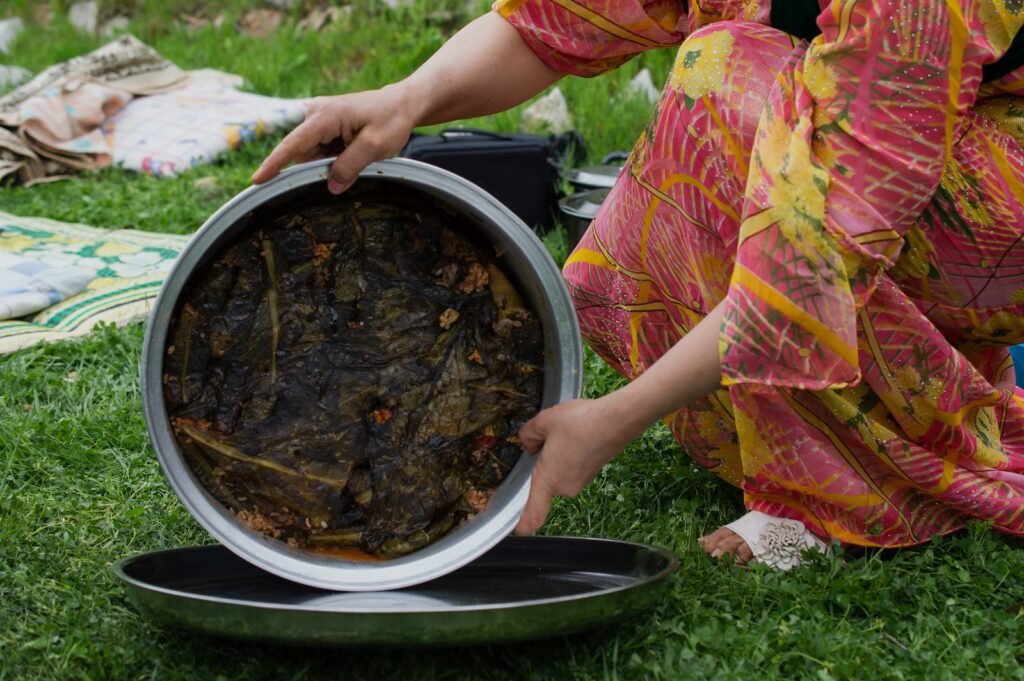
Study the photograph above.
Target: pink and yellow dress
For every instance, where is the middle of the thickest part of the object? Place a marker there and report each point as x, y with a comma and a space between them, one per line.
858, 203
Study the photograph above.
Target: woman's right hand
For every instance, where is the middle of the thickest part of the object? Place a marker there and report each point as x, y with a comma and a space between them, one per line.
461, 80
359, 128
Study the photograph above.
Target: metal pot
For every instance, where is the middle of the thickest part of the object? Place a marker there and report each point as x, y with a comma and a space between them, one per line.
602, 176
539, 281
577, 212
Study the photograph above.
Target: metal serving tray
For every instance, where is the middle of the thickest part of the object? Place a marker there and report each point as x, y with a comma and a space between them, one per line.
524, 588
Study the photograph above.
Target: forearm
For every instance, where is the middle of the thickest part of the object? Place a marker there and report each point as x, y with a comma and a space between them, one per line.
689, 371
483, 69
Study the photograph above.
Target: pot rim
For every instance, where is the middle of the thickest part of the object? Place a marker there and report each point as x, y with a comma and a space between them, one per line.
565, 205
594, 177
542, 285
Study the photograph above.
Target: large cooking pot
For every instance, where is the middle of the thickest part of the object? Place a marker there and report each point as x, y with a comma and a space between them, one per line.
578, 211
601, 176
540, 282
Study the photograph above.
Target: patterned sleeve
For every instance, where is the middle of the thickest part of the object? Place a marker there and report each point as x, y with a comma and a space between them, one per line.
589, 37
849, 151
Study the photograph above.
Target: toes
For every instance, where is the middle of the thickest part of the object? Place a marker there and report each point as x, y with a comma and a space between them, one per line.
729, 545
725, 542
733, 546
743, 553
711, 542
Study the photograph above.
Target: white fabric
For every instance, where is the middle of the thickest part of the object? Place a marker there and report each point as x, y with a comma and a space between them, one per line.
27, 286
13, 75
778, 542
165, 134
9, 30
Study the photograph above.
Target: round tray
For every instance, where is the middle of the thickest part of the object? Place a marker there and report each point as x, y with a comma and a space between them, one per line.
524, 588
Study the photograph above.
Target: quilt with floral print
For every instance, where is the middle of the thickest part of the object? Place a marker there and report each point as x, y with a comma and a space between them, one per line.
129, 267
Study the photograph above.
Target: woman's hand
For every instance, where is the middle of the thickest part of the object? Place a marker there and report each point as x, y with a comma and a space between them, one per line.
359, 128
575, 439
485, 68
572, 442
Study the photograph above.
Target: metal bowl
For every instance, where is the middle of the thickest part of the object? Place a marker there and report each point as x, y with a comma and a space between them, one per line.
601, 176
579, 210
539, 280
593, 177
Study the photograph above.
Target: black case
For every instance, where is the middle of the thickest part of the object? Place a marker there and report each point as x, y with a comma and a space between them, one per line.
519, 170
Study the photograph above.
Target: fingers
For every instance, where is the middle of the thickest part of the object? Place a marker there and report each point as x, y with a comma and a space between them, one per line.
331, 150
532, 434
312, 140
537, 507
296, 144
318, 135
357, 128
363, 151
539, 502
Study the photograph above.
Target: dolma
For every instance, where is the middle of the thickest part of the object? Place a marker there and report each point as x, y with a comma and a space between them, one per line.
349, 373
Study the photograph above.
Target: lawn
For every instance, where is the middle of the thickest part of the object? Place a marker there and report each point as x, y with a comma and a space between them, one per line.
80, 487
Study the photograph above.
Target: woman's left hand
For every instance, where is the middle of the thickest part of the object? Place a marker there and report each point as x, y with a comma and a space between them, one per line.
572, 442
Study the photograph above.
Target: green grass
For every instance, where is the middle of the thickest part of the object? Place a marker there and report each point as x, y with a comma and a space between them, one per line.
80, 487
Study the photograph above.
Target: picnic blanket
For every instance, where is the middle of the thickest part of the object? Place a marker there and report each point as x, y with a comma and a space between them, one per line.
128, 267
125, 104
50, 123
164, 134
28, 285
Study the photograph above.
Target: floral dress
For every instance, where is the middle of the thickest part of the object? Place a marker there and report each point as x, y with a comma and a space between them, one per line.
858, 203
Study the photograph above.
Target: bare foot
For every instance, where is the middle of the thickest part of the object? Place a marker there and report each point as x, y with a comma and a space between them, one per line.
724, 541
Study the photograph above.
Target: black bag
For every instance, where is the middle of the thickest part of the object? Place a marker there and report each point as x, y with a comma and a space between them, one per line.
522, 171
